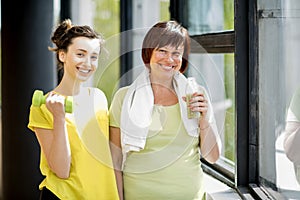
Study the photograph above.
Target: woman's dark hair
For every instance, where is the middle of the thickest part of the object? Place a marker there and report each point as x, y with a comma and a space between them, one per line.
64, 34
169, 33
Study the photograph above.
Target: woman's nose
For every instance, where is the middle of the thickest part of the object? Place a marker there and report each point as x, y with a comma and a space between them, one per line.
169, 57
88, 61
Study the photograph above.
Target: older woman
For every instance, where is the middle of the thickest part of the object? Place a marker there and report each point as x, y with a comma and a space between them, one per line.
155, 145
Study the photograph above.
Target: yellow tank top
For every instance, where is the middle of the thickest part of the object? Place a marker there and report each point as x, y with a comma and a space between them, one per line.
91, 174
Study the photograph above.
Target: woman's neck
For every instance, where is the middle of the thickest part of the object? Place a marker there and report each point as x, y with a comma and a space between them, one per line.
68, 88
164, 94
166, 83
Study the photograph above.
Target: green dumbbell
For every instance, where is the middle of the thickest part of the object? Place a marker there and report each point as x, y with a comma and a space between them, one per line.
38, 99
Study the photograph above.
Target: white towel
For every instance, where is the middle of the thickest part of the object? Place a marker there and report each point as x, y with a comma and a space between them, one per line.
137, 111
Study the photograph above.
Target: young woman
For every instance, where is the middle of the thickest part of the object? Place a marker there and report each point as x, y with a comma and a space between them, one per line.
155, 145
75, 154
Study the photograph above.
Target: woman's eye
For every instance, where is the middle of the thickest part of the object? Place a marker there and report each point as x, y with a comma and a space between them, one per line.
162, 51
94, 57
176, 54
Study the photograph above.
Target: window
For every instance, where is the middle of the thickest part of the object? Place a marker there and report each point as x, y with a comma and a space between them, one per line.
278, 80
107, 21
104, 16
211, 24
145, 15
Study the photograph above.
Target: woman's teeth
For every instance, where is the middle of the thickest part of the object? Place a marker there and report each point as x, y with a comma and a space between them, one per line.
84, 70
167, 67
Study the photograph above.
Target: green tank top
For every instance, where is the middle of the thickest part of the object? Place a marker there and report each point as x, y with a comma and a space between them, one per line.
169, 166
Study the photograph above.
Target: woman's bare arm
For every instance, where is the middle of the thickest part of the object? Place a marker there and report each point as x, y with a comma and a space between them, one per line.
116, 150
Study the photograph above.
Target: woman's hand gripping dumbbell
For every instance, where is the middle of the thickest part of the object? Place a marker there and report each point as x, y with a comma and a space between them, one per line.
39, 98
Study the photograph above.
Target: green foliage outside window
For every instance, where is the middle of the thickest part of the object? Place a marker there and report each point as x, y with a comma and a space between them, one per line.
229, 80
107, 22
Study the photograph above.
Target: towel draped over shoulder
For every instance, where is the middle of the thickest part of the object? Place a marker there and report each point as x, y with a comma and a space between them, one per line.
137, 110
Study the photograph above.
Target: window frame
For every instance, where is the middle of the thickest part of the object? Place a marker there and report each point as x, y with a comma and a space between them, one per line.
242, 41
216, 42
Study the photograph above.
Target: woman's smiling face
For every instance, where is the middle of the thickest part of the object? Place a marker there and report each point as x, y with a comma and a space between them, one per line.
81, 59
165, 61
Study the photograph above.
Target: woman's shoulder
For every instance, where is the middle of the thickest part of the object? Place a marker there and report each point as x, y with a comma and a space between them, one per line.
98, 95
119, 96
97, 91
121, 92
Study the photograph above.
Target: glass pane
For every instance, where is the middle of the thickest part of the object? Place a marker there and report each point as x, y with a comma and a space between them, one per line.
279, 71
210, 16
145, 15
216, 73
107, 22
